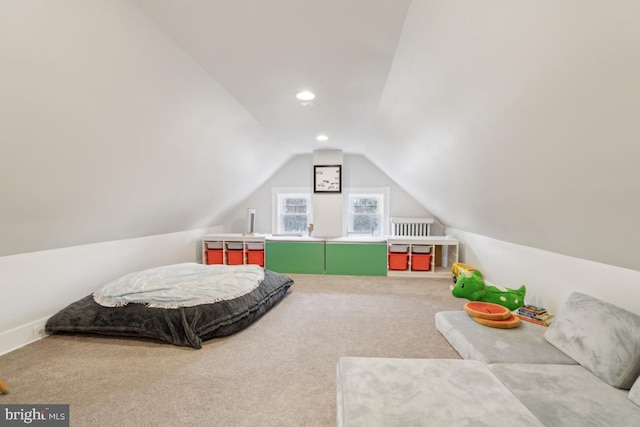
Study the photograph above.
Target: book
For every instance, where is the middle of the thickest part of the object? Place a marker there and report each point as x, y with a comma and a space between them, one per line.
530, 313
526, 313
544, 319
533, 309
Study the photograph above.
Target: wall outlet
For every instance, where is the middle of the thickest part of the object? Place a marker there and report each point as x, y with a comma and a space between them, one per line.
38, 332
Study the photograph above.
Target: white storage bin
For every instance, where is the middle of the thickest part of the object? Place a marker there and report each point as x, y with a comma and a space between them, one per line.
234, 246
421, 249
214, 245
399, 248
255, 246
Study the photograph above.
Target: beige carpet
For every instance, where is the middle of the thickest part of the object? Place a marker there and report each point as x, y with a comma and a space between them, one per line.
278, 372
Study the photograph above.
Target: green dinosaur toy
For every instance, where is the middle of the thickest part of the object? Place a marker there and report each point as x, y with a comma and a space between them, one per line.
471, 286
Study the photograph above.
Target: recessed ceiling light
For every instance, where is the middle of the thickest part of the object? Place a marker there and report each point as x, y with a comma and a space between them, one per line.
305, 95
322, 138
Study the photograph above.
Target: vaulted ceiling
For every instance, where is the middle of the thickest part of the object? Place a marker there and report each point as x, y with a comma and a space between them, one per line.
513, 120
264, 52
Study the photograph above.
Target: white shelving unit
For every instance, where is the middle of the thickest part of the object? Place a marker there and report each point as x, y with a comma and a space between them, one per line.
444, 253
223, 252
443, 250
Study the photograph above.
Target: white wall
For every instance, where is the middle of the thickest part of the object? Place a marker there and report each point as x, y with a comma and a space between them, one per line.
38, 284
110, 131
327, 208
549, 277
357, 171
518, 120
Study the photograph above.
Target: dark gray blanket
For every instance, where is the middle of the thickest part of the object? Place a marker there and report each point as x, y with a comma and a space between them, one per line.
185, 326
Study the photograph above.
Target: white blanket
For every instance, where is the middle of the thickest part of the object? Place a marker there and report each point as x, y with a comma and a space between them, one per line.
180, 285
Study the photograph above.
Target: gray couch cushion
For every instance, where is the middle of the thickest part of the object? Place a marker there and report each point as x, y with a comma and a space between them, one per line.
424, 392
634, 393
568, 395
600, 336
524, 344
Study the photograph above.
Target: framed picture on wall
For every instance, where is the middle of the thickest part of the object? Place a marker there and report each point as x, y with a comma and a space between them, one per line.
327, 179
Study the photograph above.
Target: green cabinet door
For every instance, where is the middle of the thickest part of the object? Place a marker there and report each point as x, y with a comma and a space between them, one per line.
356, 259
295, 257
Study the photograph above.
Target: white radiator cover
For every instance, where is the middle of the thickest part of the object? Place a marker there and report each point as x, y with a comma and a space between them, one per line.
414, 227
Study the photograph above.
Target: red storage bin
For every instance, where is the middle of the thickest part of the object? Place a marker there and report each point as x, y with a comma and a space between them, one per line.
421, 262
214, 256
234, 257
398, 261
255, 257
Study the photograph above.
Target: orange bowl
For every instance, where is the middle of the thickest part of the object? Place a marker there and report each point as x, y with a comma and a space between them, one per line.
511, 322
486, 310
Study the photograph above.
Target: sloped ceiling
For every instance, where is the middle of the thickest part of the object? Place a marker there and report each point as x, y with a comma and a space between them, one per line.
513, 120
264, 52
128, 119
109, 130
519, 121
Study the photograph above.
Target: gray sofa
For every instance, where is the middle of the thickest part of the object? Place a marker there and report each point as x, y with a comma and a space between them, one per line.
581, 371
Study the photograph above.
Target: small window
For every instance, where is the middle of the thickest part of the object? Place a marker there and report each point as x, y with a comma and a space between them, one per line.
366, 214
293, 213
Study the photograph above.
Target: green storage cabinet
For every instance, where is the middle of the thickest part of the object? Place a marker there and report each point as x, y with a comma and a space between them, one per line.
295, 257
356, 259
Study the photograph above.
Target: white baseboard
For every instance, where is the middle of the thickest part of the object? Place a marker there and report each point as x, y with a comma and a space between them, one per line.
19, 337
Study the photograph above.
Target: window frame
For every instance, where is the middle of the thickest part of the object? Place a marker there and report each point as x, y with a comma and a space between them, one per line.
383, 193
278, 194
347, 194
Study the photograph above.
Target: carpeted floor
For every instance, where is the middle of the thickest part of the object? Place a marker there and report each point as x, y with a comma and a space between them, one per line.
278, 372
